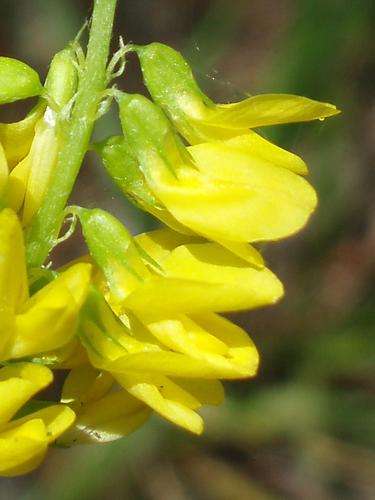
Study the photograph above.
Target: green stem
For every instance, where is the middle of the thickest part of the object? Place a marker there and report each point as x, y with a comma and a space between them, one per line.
46, 224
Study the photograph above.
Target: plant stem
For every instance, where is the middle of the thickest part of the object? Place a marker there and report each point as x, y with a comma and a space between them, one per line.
46, 224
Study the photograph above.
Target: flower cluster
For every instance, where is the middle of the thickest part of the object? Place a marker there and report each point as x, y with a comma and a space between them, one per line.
136, 324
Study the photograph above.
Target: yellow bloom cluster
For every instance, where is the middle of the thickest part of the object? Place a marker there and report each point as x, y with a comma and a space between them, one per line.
30, 326
136, 323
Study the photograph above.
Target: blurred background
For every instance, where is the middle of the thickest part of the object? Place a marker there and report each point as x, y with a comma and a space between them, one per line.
304, 428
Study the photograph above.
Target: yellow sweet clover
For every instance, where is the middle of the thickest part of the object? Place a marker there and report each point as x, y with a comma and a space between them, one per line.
239, 190
48, 319
31, 326
24, 441
167, 347
167, 271
136, 324
171, 365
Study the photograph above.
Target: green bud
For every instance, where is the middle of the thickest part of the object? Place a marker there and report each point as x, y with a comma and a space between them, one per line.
62, 79
17, 81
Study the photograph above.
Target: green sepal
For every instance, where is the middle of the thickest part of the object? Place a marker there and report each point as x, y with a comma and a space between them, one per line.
172, 85
123, 167
149, 133
114, 250
94, 310
168, 76
17, 81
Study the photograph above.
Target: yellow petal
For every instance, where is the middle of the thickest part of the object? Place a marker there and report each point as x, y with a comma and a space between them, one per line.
165, 397
225, 350
13, 282
182, 335
24, 442
234, 195
106, 338
188, 357
18, 383
111, 417
245, 251
17, 183
240, 346
84, 384
3, 171
268, 109
17, 137
261, 152
158, 244
161, 362
49, 324
203, 277
22, 449
56, 419
209, 392
42, 158
50, 318
75, 279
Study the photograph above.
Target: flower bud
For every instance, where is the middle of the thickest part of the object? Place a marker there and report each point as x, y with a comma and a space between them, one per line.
29, 180
240, 190
62, 79
17, 81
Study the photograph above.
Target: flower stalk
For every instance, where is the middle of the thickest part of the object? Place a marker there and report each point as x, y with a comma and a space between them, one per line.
43, 232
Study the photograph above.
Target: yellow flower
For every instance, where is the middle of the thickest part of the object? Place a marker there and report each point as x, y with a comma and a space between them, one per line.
169, 272
196, 276
103, 413
171, 363
48, 319
172, 86
24, 441
170, 349
237, 190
